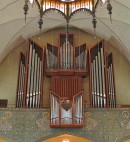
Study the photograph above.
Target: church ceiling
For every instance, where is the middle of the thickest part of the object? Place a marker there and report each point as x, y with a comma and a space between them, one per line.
13, 29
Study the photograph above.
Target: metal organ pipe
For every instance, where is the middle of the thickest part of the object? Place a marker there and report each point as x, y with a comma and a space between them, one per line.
35, 80
113, 91
64, 56
97, 82
100, 80
68, 56
32, 77
103, 78
94, 74
51, 101
75, 110
40, 77
19, 86
81, 109
22, 91
71, 56
31, 80
92, 85
29, 77
66, 46
109, 85
53, 109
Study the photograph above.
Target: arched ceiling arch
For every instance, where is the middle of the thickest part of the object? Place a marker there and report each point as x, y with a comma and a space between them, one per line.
13, 29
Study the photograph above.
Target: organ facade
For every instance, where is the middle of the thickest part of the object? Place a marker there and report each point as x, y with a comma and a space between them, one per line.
66, 65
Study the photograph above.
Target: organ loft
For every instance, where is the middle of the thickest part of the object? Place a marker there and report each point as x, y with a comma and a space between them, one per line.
66, 65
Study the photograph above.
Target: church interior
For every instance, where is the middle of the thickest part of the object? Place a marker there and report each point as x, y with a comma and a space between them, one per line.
65, 71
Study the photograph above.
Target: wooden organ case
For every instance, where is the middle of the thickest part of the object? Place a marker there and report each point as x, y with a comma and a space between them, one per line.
66, 65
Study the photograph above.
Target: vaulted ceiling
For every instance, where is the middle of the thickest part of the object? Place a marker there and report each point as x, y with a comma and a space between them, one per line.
13, 29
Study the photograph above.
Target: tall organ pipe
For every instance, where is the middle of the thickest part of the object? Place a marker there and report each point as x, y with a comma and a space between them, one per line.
100, 80
29, 76
103, 78
92, 86
97, 82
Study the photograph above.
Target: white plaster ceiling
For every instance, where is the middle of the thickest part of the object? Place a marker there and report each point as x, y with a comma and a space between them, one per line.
13, 29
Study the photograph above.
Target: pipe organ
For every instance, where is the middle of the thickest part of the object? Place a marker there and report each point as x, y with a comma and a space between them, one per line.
67, 66
101, 78
30, 78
